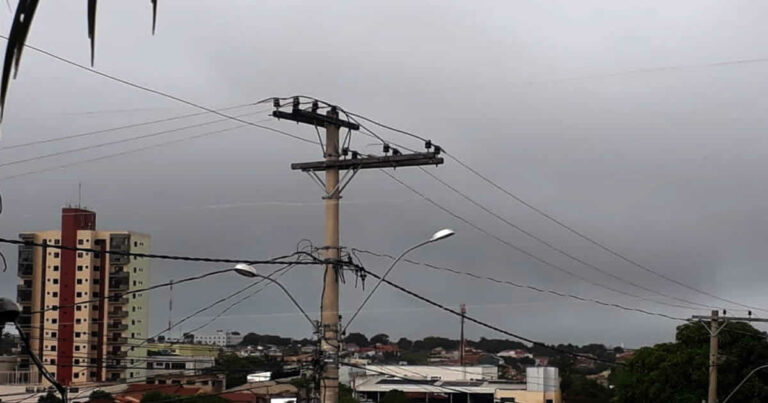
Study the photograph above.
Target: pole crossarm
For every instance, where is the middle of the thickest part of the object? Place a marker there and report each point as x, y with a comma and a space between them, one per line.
387, 161
316, 119
729, 318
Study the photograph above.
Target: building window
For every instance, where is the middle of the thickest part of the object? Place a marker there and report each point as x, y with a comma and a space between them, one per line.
54, 320
80, 281
55, 267
94, 334
53, 362
77, 335
96, 294
53, 347
96, 281
55, 294
76, 375
78, 321
79, 241
79, 294
53, 334
96, 268
55, 281
77, 361
79, 268
93, 347
55, 254
79, 254
56, 241
78, 308
93, 374
77, 348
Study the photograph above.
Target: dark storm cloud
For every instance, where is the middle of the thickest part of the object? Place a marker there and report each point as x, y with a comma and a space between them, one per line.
666, 166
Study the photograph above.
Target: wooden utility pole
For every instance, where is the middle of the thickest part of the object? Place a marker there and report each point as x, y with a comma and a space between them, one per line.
713, 346
716, 324
336, 160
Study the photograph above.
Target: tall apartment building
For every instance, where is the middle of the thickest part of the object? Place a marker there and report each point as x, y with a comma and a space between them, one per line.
90, 342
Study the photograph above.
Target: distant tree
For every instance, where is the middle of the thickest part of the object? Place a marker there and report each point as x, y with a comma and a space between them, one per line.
237, 368
346, 394
357, 338
49, 397
157, 396
404, 344
395, 396
380, 338
584, 390
678, 372
100, 395
250, 339
618, 350
429, 343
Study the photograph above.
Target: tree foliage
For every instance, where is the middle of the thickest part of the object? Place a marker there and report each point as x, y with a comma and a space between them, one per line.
255, 339
101, 395
357, 338
395, 396
678, 372
381, 338
237, 368
404, 344
157, 396
49, 397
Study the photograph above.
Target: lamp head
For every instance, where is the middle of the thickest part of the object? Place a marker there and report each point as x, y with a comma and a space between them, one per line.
245, 270
442, 234
9, 311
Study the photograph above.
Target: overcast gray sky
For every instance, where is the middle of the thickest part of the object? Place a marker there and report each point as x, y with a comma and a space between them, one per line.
615, 117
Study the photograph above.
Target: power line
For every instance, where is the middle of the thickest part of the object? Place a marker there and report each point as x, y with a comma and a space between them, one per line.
117, 128
520, 250
161, 93
129, 139
528, 287
594, 241
104, 157
554, 247
274, 261
568, 227
485, 324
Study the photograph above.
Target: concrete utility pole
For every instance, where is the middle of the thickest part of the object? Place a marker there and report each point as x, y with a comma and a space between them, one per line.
716, 324
461, 352
336, 160
713, 345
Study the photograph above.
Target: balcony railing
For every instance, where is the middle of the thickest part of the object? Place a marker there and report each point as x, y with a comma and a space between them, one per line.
25, 269
119, 354
117, 340
23, 293
117, 327
120, 285
118, 314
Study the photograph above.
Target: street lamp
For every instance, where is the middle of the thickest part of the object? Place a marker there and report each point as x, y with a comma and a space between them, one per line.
10, 312
744, 380
437, 236
249, 271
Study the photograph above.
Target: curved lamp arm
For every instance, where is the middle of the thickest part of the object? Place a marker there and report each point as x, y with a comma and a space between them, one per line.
442, 234
744, 380
248, 271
